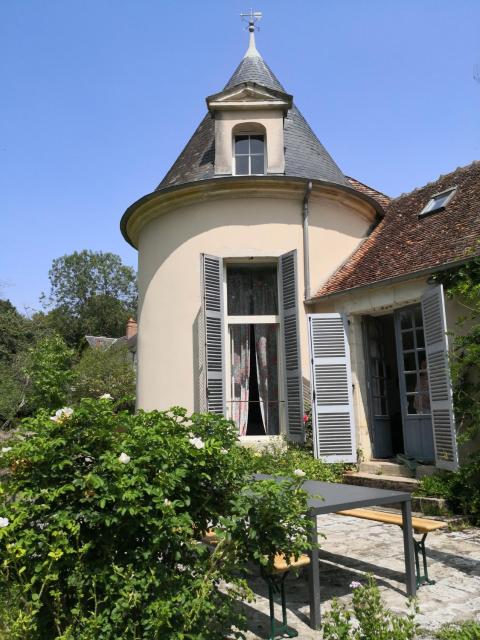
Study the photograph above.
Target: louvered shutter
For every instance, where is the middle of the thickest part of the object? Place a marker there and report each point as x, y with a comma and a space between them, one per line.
331, 384
212, 278
291, 346
440, 386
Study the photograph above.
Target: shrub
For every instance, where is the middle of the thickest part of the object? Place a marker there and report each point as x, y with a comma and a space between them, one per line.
284, 459
49, 373
104, 371
462, 631
369, 620
102, 518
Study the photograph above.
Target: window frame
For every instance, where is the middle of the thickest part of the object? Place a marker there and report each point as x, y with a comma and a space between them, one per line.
254, 319
430, 206
249, 133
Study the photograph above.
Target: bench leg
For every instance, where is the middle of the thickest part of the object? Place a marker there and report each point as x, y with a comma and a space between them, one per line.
278, 630
419, 546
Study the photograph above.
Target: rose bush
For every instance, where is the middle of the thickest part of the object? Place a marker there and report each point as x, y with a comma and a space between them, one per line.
102, 516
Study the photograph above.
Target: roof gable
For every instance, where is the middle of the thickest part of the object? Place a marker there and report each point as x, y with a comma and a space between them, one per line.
247, 95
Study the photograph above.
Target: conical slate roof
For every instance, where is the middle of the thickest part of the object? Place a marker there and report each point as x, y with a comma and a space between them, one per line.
305, 156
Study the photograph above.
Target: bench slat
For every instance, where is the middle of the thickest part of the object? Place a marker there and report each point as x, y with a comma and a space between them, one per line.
419, 525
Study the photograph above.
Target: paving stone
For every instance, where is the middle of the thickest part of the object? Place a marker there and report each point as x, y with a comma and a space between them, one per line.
354, 547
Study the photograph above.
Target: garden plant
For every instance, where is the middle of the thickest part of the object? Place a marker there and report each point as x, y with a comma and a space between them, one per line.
102, 514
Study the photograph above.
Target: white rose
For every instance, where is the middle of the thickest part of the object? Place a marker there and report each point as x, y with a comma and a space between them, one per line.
106, 396
6, 449
299, 473
198, 443
62, 414
4, 522
123, 458
167, 502
224, 451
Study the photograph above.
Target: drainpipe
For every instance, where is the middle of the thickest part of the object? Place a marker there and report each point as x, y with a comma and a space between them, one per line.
306, 249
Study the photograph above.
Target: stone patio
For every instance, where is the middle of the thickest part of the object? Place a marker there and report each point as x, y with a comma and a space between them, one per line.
353, 547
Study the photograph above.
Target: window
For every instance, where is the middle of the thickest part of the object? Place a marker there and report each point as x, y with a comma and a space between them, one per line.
438, 202
414, 361
252, 325
249, 151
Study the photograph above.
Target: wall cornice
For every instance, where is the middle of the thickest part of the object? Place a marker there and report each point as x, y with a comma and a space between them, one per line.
163, 201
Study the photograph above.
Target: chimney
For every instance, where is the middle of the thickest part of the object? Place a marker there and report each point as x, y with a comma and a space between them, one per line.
131, 328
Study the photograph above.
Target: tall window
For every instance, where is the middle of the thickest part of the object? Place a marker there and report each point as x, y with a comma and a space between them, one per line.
253, 370
414, 360
249, 151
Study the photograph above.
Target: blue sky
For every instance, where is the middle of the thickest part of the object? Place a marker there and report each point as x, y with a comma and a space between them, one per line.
98, 97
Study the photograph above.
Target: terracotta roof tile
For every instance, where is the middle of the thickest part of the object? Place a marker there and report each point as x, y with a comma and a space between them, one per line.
404, 244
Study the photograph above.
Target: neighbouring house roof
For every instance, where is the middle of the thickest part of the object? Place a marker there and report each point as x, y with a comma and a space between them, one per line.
305, 156
405, 243
104, 343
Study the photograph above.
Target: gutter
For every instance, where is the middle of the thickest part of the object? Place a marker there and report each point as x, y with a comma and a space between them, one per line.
306, 246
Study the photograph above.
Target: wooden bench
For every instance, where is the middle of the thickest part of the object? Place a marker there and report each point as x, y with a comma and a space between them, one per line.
276, 583
421, 526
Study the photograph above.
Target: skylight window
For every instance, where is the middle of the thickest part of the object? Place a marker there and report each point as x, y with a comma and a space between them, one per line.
438, 202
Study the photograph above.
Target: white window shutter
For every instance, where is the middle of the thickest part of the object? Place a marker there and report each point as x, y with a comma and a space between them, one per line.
212, 280
331, 384
291, 346
440, 385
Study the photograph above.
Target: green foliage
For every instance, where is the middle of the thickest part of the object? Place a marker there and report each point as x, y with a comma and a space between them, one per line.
102, 371
15, 333
463, 284
369, 620
92, 293
462, 631
462, 489
438, 485
269, 517
49, 373
285, 458
101, 522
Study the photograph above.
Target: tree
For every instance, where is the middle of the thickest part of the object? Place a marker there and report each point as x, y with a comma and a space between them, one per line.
49, 373
102, 371
92, 293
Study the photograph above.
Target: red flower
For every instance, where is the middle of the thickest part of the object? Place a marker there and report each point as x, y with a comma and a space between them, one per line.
305, 418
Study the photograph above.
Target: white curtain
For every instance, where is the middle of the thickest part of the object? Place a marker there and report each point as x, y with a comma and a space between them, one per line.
240, 358
267, 375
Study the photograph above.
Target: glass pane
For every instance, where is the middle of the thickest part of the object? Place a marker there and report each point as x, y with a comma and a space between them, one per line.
407, 340
411, 382
411, 403
241, 165
423, 403
376, 386
258, 165
252, 290
241, 144
405, 320
422, 359
384, 406
377, 406
420, 339
409, 362
418, 317
256, 144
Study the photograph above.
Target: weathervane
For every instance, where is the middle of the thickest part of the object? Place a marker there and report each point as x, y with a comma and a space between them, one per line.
253, 18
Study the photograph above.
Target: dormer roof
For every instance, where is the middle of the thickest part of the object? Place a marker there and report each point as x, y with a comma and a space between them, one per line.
305, 156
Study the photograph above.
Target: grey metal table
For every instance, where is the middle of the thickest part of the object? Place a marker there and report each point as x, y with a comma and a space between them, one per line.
339, 497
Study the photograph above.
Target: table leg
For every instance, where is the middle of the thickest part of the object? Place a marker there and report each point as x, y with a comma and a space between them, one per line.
314, 578
408, 548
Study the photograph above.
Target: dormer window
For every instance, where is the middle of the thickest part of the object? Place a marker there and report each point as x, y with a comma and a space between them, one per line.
249, 155
438, 202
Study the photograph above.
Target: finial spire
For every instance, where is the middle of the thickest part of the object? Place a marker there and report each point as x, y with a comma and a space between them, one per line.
253, 18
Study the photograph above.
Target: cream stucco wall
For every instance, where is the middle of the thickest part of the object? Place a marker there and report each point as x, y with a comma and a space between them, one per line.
266, 121
170, 244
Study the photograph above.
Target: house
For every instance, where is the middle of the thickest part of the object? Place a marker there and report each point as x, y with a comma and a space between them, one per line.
268, 279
